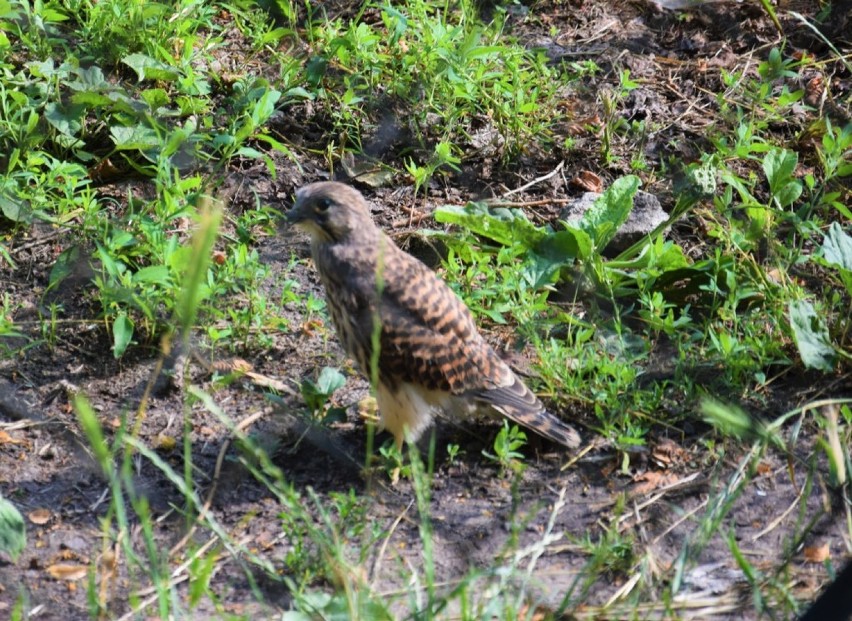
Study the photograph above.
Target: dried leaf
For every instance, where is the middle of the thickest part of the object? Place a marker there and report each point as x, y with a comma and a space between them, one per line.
63, 571
39, 516
764, 469
164, 442
649, 481
589, 181
817, 554
667, 453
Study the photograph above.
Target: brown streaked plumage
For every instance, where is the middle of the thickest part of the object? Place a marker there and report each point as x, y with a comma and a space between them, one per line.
431, 355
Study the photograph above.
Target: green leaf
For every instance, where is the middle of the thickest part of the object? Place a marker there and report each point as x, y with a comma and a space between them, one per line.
609, 212
15, 209
778, 166
91, 79
330, 380
554, 252
67, 119
137, 137
65, 265
122, 334
154, 274
316, 394
13, 536
837, 247
811, 336
90, 99
193, 290
730, 419
155, 98
505, 226
149, 68
837, 252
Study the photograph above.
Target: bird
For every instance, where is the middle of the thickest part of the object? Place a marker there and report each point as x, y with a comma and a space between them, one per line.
405, 328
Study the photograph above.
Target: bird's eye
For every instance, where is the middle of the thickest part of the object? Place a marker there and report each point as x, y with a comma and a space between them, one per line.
323, 204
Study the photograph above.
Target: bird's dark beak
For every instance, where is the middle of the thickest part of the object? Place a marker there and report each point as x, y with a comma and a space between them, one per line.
297, 212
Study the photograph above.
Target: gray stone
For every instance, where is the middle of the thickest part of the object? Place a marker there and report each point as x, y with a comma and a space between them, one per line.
646, 215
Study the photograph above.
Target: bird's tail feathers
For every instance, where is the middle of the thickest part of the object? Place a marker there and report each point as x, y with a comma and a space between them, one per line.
518, 403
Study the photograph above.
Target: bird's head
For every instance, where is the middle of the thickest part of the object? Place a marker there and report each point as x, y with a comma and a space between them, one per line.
329, 211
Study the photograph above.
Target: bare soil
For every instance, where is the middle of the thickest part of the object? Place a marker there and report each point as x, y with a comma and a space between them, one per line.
44, 464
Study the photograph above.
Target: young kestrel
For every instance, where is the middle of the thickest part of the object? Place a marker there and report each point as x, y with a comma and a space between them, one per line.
431, 356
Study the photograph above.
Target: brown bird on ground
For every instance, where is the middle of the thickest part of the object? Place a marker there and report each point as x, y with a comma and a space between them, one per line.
430, 355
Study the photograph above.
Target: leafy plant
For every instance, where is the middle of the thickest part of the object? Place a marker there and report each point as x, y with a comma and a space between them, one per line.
317, 394
506, 444
13, 538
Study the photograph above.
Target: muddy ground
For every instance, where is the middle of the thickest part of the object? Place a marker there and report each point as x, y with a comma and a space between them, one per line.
47, 472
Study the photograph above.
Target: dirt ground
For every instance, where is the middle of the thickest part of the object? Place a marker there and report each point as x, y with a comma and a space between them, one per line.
46, 472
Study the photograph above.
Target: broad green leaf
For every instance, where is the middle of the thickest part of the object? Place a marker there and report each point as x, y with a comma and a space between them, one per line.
149, 68
64, 265
811, 336
91, 99
67, 119
154, 274
15, 209
122, 334
316, 394
137, 137
837, 247
609, 212
13, 536
788, 193
330, 380
91, 79
265, 106
505, 226
778, 166
837, 252
155, 97
555, 252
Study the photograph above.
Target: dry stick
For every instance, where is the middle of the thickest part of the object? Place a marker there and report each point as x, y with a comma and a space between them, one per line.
535, 203
174, 582
591, 446
537, 180
38, 242
215, 481
677, 523
623, 591
774, 524
684, 483
377, 565
182, 567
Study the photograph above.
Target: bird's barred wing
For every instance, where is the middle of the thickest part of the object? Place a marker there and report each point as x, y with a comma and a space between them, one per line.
428, 335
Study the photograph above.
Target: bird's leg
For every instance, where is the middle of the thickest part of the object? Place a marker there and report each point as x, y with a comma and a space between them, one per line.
398, 441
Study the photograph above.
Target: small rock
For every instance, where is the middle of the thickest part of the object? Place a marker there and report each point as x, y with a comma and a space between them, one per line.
646, 215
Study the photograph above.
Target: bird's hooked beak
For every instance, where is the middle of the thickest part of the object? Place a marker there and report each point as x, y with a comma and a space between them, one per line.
297, 212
